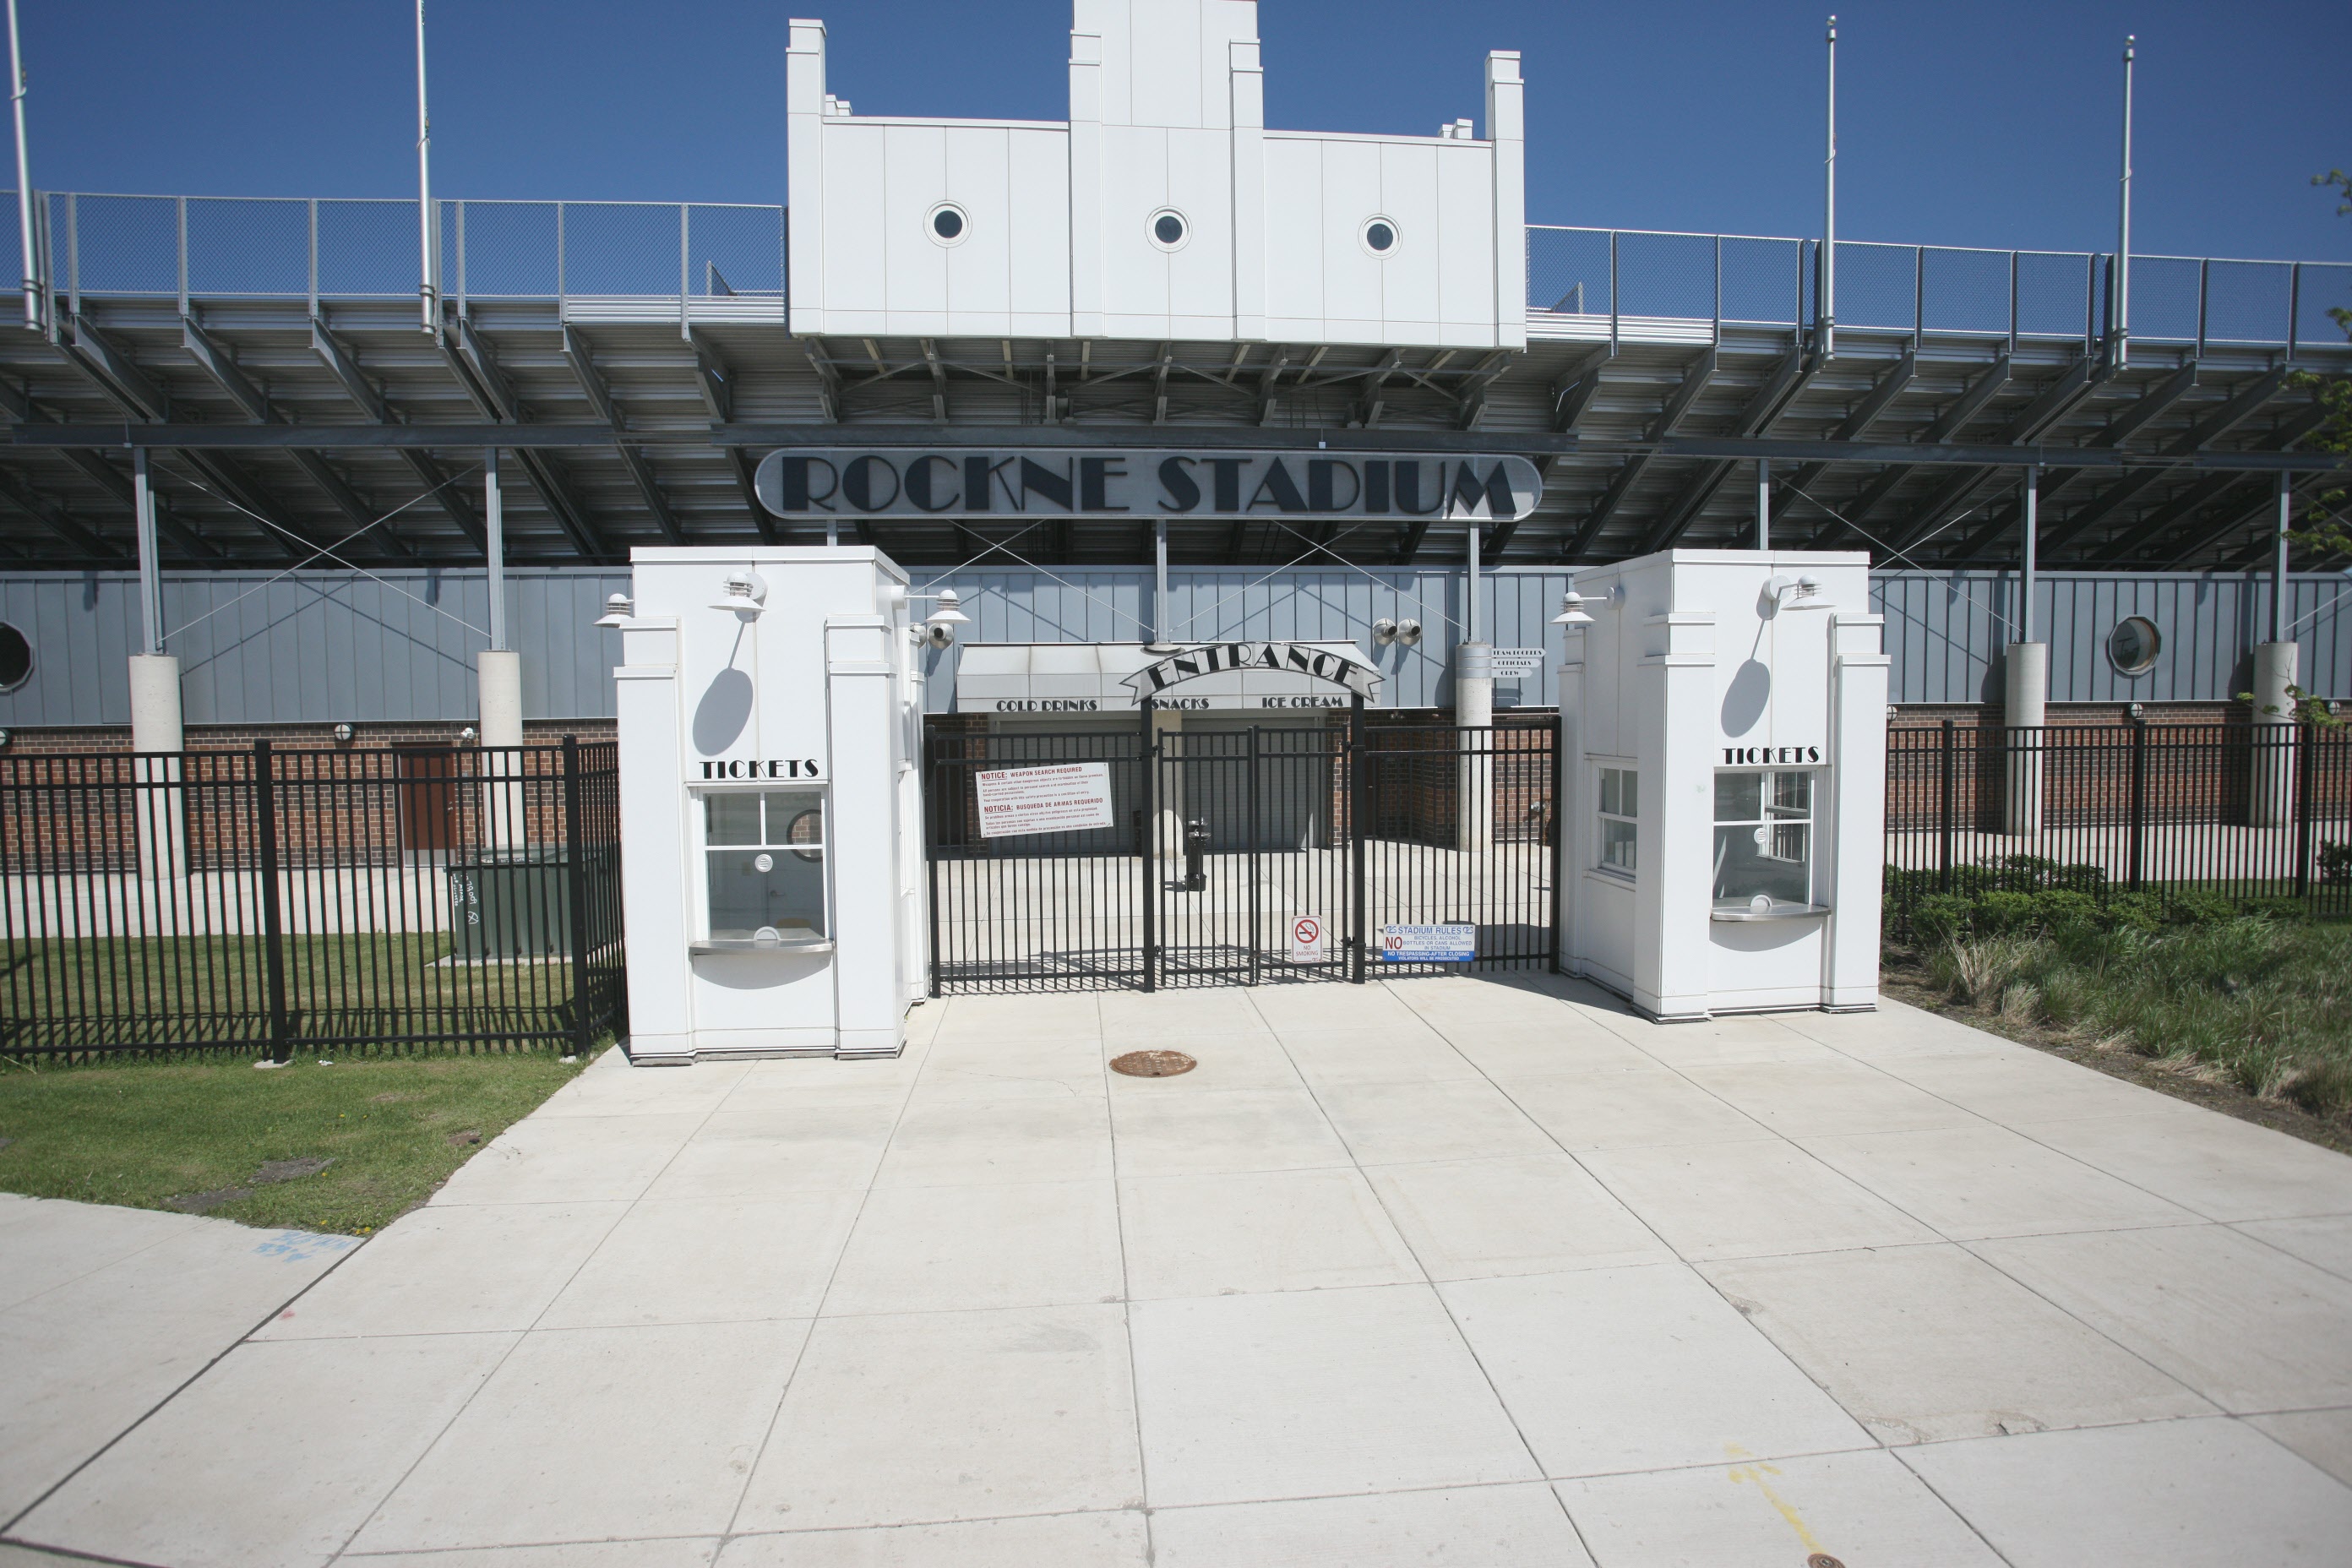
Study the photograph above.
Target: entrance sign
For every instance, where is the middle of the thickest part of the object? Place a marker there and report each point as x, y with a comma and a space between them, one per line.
1429, 944
1306, 940
1071, 798
1516, 663
1216, 658
1210, 483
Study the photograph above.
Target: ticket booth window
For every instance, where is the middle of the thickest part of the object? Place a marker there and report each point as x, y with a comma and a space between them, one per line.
1764, 840
1621, 830
765, 859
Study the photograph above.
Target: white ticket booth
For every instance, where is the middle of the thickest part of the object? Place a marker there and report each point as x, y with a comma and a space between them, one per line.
769, 710
1723, 778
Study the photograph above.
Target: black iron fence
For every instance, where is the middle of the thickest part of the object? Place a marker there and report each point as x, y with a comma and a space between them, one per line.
275, 900
1225, 845
2255, 815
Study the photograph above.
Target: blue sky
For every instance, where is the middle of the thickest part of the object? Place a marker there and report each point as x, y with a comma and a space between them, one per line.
1966, 124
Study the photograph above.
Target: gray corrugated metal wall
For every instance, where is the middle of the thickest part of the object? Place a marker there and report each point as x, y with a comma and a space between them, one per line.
312, 647
1945, 630
320, 647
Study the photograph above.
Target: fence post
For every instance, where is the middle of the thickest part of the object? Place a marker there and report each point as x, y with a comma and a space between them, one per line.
1147, 851
273, 937
1362, 921
1948, 790
2138, 800
2306, 738
575, 855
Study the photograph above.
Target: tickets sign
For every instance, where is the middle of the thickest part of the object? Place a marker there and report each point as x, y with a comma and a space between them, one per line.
1069, 798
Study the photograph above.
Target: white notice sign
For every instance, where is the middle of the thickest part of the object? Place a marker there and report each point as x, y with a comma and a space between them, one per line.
1306, 939
1069, 798
1517, 663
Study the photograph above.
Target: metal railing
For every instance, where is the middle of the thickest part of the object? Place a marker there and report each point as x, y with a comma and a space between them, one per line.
312, 249
1653, 277
2248, 815
269, 899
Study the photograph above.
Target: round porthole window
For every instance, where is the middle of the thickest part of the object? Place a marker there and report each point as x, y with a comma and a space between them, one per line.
16, 658
949, 225
1379, 236
2133, 645
1167, 229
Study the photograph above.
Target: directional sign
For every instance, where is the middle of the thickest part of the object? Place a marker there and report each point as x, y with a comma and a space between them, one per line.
1517, 663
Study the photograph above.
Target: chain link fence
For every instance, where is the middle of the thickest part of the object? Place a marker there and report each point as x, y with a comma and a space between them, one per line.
293, 247
1650, 276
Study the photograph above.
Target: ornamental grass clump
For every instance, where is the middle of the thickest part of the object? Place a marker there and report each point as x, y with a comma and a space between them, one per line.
2259, 1003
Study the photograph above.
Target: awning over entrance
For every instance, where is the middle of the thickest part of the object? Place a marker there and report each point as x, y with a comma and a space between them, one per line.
1087, 678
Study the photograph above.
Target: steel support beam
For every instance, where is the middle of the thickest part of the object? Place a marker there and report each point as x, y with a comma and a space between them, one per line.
54, 518
475, 365
582, 359
361, 391
1788, 380
1574, 391
2240, 406
1677, 404
217, 362
1950, 423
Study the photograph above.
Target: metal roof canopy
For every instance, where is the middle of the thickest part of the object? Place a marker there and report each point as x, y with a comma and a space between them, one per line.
284, 429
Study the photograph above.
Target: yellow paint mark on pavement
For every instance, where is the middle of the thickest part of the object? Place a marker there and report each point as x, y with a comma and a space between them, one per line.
1755, 1474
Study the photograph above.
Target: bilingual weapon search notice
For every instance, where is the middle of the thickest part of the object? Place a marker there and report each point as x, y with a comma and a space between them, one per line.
1070, 798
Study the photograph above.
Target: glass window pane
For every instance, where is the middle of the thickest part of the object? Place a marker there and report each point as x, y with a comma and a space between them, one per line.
1738, 798
786, 894
1609, 792
797, 820
1792, 792
1772, 862
1617, 844
731, 817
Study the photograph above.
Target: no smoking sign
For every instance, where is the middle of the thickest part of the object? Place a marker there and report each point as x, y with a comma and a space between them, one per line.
1306, 939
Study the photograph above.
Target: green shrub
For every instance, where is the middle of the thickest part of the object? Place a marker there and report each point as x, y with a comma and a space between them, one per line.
2336, 862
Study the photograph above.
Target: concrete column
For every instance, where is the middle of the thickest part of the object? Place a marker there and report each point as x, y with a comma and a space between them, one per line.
1569, 810
498, 680
2025, 681
2272, 801
861, 710
1474, 709
1855, 836
156, 724
155, 728
1168, 827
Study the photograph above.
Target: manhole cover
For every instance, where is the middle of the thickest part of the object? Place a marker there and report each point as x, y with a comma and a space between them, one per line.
1152, 1064
1822, 1560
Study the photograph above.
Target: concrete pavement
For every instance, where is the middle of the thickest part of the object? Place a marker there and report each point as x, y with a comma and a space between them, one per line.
1443, 1271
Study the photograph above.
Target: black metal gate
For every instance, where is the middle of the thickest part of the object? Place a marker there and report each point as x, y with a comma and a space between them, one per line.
1225, 841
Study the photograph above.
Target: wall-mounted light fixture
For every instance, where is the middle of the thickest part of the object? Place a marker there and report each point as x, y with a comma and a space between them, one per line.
469, 735
618, 609
5, 737
1384, 631
940, 630
745, 592
1408, 632
1572, 612
343, 734
1804, 590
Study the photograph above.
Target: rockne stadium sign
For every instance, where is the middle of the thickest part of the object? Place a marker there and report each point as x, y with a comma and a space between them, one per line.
963, 483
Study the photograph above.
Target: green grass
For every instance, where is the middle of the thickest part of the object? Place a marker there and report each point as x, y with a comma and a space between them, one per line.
2265, 1005
142, 1132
